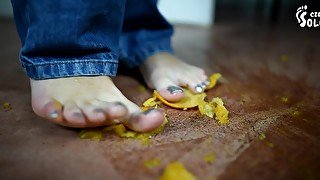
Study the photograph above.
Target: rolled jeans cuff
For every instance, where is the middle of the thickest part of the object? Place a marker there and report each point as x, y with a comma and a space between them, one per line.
49, 68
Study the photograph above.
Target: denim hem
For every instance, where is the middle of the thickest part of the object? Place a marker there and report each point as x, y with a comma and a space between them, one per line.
51, 70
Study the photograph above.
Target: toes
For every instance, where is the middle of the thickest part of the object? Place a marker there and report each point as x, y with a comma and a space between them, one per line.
193, 85
94, 114
113, 110
53, 111
169, 90
172, 93
145, 121
73, 115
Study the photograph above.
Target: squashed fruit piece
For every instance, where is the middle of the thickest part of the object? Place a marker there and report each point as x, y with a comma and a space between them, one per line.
141, 88
284, 58
295, 113
145, 137
262, 136
189, 101
210, 158
220, 111
213, 80
121, 131
7, 106
150, 102
175, 171
284, 99
96, 135
270, 144
206, 108
152, 163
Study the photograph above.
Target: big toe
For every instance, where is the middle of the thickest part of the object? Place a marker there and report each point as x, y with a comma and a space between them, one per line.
145, 121
168, 89
172, 93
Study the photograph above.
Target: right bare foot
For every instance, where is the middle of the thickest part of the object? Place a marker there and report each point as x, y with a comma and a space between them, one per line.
89, 102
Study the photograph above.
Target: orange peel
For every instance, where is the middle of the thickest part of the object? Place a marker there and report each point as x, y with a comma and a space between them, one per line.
189, 101
220, 111
213, 80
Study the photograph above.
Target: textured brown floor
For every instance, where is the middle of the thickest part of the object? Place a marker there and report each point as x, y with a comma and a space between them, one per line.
254, 81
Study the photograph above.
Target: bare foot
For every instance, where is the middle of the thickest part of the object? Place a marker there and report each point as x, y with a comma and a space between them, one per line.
89, 102
167, 74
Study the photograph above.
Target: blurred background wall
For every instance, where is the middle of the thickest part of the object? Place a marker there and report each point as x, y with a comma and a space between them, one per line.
5, 8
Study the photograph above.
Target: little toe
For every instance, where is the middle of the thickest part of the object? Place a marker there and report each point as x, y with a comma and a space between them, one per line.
145, 121
73, 115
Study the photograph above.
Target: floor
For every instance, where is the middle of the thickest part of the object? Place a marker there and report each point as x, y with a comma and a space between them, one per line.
270, 86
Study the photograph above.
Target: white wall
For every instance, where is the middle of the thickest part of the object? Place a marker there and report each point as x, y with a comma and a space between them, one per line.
5, 8
196, 12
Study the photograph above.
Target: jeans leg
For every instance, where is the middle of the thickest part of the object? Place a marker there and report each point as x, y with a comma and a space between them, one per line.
63, 38
144, 32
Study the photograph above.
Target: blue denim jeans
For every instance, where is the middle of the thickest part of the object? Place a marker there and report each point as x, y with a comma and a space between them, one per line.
64, 38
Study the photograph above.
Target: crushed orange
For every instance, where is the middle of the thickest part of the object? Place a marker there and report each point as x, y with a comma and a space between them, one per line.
152, 163
262, 136
220, 111
189, 101
96, 135
284, 58
214, 108
284, 99
206, 108
213, 80
176, 170
121, 131
210, 158
151, 102
7, 106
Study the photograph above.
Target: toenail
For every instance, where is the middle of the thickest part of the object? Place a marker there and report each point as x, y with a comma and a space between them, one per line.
119, 104
203, 85
148, 111
77, 114
99, 110
199, 89
54, 115
206, 82
175, 89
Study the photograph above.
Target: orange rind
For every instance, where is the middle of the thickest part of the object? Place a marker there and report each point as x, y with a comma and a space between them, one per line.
213, 80
123, 132
189, 101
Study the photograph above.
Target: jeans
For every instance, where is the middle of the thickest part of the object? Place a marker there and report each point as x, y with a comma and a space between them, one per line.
65, 38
